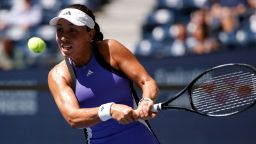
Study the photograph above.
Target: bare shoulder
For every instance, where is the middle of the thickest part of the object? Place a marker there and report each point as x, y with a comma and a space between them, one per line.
114, 52
111, 45
106, 42
59, 73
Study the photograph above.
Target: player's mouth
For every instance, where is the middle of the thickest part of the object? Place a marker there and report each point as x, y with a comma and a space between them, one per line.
66, 47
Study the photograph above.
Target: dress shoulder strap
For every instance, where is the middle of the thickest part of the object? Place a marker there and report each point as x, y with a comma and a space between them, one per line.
72, 74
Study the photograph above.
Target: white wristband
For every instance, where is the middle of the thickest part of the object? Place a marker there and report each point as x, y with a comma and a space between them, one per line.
104, 111
145, 99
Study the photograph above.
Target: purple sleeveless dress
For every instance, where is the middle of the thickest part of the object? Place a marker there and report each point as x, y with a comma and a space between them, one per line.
96, 85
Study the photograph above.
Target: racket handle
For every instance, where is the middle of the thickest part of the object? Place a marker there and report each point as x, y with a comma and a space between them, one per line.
156, 107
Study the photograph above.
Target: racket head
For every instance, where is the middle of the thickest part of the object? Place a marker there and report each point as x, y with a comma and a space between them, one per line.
223, 90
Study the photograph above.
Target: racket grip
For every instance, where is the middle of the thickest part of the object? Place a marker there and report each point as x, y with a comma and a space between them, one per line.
156, 107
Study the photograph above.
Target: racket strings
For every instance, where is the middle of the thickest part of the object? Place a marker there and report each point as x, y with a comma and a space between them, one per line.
220, 85
221, 77
220, 102
203, 97
237, 103
224, 94
229, 107
206, 105
233, 102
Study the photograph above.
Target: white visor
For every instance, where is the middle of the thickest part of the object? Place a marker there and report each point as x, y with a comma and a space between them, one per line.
75, 16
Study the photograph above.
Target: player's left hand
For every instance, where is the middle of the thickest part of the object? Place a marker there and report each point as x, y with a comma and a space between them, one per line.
144, 110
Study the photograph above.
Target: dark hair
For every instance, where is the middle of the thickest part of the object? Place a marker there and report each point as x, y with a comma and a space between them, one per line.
98, 34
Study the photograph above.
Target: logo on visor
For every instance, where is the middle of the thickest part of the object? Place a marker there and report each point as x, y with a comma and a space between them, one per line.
67, 13
82, 20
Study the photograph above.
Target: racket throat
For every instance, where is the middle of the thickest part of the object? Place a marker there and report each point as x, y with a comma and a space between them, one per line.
181, 102
156, 107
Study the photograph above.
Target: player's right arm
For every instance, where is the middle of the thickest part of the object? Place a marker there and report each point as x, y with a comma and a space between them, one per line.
59, 82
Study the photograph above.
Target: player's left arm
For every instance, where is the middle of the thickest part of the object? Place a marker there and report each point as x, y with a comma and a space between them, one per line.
122, 59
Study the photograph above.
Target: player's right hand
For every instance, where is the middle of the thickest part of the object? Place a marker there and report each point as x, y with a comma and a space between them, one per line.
123, 114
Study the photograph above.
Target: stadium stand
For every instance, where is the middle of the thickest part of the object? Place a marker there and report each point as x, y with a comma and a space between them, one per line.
161, 32
228, 23
14, 37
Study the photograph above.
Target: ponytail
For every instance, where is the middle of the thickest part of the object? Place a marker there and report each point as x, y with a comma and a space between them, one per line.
98, 34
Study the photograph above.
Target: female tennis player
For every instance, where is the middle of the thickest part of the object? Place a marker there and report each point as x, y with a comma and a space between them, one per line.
102, 102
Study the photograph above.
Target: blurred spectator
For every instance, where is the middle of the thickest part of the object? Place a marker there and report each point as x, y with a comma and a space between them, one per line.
22, 16
229, 19
225, 19
250, 10
16, 25
251, 7
200, 42
213, 19
198, 17
7, 60
215, 25
179, 46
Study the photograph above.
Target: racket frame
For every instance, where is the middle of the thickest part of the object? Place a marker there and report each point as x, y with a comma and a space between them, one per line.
164, 105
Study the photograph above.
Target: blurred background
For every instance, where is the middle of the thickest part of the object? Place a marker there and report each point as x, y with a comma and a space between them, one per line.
174, 39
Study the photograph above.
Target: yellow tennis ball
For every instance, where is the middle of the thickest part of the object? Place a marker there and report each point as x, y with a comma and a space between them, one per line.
36, 45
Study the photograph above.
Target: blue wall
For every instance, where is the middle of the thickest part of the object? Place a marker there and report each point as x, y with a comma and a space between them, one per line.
28, 114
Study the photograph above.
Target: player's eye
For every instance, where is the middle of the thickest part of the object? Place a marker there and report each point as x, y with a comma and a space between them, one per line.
59, 30
73, 31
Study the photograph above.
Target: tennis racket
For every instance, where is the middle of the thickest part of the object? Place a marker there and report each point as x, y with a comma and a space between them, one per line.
219, 91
